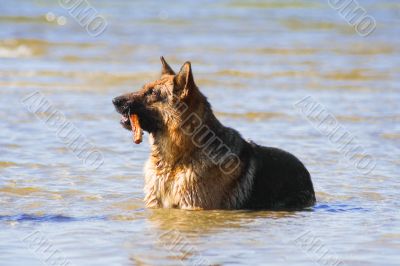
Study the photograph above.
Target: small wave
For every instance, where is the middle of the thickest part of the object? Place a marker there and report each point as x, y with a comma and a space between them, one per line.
338, 208
45, 218
252, 115
15, 52
4, 164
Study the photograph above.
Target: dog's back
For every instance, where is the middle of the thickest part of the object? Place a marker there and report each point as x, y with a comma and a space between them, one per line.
280, 181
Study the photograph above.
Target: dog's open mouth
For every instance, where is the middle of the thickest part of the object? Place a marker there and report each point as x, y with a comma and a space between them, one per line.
125, 122
131, 122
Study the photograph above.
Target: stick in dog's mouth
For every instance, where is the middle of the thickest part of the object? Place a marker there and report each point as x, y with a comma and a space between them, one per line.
136, 129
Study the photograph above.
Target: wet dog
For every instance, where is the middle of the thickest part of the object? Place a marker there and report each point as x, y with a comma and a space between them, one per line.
196, 162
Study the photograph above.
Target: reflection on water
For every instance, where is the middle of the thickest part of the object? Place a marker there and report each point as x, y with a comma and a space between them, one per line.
254, 60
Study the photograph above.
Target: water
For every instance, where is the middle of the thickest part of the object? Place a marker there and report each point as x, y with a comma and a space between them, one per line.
254, 61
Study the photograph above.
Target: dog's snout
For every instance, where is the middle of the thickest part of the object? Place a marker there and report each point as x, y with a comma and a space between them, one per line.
126, 102
117, 101
120, 101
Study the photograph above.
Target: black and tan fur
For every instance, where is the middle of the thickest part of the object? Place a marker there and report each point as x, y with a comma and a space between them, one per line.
181, 173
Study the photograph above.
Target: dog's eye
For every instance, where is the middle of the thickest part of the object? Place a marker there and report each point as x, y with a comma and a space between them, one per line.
150, 92
153, 95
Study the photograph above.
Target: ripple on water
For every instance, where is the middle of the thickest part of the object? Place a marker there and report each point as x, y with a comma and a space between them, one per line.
253, 115
21, 191
338, 207
46, 218
7, 164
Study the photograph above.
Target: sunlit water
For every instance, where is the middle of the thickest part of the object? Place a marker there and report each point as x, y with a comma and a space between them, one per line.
254, 61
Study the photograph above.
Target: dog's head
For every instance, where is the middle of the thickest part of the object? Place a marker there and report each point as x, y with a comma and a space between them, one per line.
160, 104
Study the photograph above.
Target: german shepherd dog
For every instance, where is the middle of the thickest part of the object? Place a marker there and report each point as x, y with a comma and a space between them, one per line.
197, 163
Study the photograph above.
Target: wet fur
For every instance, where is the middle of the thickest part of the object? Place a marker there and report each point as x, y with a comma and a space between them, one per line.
179, 174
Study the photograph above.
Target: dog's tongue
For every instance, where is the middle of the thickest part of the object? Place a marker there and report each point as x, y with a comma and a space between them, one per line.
136, 129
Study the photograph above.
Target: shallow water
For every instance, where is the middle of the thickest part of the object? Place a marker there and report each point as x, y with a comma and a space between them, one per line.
254, 61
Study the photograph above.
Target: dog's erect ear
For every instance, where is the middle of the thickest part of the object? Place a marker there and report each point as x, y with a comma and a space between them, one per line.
166, 69
184, 81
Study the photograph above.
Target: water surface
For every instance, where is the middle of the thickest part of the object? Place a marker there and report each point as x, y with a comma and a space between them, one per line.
253, 60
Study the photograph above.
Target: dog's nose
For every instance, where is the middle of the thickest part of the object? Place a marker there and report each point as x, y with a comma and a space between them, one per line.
117, 101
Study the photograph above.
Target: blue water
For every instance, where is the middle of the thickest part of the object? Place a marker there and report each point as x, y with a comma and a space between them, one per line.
254, 60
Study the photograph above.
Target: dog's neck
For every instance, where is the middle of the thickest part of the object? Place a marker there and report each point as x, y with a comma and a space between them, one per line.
177, 144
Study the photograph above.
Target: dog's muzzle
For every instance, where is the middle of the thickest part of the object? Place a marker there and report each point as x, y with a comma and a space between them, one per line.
121, 106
